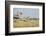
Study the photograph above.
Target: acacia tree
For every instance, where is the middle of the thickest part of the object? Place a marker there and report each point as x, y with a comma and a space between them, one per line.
17, 15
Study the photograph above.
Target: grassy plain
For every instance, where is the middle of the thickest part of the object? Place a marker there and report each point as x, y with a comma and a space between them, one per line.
27, 23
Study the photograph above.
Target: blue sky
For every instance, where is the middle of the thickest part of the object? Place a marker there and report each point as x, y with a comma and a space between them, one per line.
32, 12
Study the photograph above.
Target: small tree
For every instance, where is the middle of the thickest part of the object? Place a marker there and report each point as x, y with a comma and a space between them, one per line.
17, 16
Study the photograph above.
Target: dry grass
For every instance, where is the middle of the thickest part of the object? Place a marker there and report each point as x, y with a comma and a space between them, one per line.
28, 23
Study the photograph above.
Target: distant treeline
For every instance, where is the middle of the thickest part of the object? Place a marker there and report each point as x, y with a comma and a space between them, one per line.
34, 18
16, 17
27, 18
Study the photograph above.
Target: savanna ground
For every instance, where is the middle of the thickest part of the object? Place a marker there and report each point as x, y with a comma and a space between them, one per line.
25, 23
